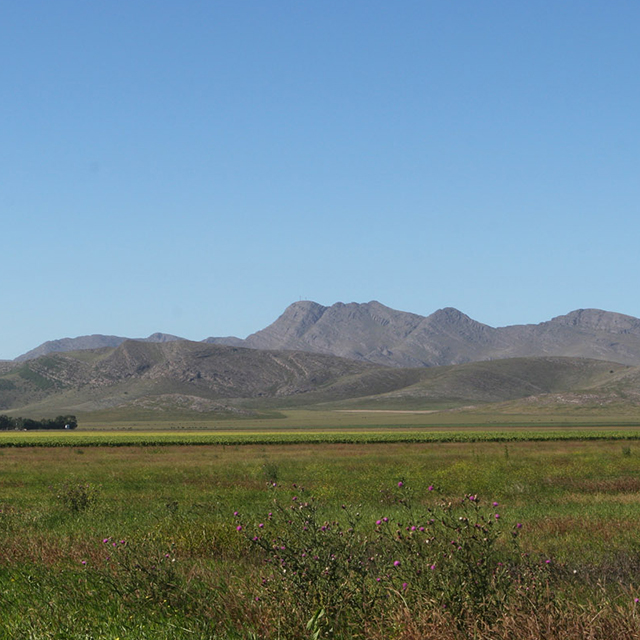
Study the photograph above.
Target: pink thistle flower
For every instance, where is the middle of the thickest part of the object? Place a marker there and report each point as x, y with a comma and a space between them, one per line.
400, 484
396, 563
239, 527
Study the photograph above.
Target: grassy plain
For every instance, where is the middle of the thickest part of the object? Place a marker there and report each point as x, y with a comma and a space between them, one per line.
319, 418
142, 542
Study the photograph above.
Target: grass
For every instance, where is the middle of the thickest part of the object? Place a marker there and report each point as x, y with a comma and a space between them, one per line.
334, 420
180, 569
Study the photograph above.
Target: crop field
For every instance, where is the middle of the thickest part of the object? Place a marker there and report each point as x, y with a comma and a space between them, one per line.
325, 534
310, 437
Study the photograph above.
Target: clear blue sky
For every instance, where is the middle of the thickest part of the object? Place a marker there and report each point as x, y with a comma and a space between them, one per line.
193, 167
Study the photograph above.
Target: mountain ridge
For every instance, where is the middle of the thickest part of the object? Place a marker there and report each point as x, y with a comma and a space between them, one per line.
372, 332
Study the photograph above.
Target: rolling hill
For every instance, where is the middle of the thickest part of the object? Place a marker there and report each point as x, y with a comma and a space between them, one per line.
187, 377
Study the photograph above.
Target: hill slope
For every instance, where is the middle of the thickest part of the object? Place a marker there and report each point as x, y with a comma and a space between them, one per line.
88, 380
185, 376
95, 341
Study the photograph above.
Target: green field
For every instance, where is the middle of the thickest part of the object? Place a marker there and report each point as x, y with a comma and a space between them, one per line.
181, 569
326, 419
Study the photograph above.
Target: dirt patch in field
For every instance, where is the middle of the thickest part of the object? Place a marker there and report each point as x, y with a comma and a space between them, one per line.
386, 411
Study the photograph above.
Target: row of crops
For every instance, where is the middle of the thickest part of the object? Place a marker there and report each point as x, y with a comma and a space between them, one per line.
147, 439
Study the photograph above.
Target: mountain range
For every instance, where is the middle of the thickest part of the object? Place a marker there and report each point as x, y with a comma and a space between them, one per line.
348, 356
372, 332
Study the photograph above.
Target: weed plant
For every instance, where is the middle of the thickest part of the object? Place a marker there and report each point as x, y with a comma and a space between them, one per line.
77, 497
451, 558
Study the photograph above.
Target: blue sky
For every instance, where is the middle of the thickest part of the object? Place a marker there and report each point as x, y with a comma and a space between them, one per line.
194, 167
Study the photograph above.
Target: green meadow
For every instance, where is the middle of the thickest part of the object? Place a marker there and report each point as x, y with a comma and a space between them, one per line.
396, 531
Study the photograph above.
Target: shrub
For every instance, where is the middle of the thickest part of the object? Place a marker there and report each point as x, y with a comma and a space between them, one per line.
78, 497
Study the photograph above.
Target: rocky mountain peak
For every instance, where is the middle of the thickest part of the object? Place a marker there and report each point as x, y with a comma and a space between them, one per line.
450, 316
599, 320
161, 337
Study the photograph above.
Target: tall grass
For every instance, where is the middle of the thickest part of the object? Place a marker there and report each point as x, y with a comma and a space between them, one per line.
142, 542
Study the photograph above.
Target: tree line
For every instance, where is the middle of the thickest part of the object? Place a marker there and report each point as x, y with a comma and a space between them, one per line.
7, 423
